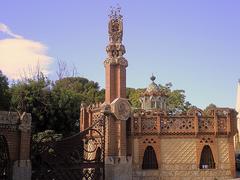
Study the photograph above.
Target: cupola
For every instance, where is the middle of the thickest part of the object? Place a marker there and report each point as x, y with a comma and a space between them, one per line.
153, 97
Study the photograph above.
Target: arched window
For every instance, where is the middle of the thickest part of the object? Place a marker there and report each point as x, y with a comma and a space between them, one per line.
207, 160
149, 159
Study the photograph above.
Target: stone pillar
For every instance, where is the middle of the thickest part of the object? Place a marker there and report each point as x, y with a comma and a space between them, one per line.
22, 168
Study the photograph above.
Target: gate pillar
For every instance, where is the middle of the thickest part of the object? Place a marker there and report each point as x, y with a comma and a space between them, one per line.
22, 168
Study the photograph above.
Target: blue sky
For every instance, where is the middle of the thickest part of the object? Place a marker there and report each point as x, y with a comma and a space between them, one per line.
193, 44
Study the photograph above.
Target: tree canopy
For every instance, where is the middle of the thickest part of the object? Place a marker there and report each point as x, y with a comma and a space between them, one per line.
4, 92
55, 105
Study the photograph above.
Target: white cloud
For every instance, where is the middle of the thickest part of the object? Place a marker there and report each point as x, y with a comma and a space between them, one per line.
6, 30
19, 55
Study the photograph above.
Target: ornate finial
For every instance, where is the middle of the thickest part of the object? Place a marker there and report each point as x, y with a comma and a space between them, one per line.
152, 78
115, 25
115, 12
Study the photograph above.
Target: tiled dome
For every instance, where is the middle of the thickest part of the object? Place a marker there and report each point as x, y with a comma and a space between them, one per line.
153, 87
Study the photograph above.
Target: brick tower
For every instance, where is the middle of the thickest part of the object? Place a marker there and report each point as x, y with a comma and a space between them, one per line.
115, 95
115, 63
115, 69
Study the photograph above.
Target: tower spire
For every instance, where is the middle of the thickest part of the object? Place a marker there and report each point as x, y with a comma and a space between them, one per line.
115, 74
115, 64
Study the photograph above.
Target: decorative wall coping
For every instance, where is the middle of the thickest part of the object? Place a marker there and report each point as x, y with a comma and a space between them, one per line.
13, 121
8, 117
218, 121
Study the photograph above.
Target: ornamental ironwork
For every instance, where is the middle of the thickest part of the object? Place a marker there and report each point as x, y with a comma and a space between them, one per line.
79, 157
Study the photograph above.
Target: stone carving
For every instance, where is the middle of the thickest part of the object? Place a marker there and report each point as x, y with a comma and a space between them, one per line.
115, 26
120, 60
115, 49
121, 108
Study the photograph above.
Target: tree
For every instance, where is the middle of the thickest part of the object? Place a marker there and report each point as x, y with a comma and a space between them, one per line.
33, 96
134, 95
4, 92
67, 96
176, 101
89, 90
55, 105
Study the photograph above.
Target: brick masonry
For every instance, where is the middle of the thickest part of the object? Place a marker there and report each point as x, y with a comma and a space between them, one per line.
17, 131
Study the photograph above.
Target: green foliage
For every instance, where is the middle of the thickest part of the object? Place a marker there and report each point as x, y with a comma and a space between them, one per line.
89, 90
133, 95
56, 105
176, 101
46, 136
32, 96
4, 92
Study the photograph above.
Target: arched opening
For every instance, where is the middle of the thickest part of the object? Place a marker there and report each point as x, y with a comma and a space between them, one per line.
207, 160
128, 127
98, 156
4, 159
149, 159
128, 134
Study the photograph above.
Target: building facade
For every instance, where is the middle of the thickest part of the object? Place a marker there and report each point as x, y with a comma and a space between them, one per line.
151, 143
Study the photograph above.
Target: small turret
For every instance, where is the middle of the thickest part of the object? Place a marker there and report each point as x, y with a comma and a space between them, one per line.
153, 97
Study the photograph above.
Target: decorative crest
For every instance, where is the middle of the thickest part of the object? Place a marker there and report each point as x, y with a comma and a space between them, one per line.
115, 49
115, 26
115, 12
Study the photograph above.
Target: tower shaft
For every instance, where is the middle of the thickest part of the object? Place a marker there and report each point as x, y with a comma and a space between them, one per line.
115, 82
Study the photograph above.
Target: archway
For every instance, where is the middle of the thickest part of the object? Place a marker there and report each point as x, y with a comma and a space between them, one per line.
149, 159
4, 159
207, 160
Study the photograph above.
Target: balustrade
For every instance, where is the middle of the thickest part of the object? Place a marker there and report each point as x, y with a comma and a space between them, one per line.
188, 124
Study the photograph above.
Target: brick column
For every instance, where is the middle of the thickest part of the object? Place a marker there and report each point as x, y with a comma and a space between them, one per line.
22, 167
